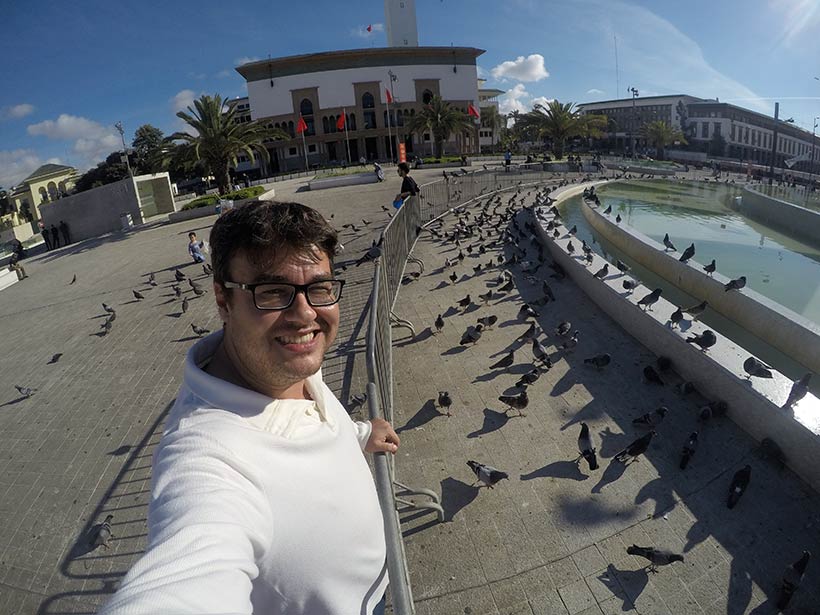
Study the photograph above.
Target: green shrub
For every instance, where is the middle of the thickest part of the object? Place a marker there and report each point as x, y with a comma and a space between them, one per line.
210, 200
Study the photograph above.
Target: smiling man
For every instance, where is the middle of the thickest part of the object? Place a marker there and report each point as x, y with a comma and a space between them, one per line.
262, 501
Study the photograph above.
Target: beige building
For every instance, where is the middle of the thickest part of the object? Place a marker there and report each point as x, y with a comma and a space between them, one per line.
47, 184
491, 120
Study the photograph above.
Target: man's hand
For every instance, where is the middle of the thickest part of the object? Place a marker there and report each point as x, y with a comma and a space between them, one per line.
382, 438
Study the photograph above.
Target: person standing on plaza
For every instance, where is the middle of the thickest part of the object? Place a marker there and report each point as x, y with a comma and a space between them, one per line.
65, 232
507, 160
262, 500
15, 266
55, 237
41, 225
195, 248
409, 187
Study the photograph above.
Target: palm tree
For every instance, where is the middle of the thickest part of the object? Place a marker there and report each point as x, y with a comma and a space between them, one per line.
593, 126
556, 121
442, 119
219, 139
660, 134
490, 118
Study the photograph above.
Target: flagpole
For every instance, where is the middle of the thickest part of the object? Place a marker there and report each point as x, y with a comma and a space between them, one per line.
304, 147
389, 136
347, 139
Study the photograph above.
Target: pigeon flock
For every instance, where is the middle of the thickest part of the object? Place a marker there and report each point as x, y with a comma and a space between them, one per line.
508, 229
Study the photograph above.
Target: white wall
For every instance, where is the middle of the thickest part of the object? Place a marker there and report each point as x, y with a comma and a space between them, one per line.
336, 86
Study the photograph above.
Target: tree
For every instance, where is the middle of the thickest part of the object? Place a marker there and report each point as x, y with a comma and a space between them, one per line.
556, 122
219, 139
659, 134
442, 120
717, 145
148, 149
111, 170
593, 126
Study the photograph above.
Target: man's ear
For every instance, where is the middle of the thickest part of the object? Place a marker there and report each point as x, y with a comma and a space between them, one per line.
221, 301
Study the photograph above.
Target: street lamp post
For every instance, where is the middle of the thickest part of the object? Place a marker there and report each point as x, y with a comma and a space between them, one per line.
813, 147
121, 130
774, 142
634, 121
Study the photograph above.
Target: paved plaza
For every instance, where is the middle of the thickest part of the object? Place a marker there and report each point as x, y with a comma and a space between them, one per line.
552, 539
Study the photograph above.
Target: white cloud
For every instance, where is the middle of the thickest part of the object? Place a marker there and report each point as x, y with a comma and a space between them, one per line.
541, 100
594, 91
15, 112
519, 99
361, 31
481, 72
530, 68
182, 100
92, 141
245, 60
225, 73
16, 165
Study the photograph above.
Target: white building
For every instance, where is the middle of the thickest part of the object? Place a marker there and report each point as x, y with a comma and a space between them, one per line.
321, 87
488, 132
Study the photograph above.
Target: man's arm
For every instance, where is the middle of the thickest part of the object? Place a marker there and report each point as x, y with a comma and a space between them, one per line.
208, 526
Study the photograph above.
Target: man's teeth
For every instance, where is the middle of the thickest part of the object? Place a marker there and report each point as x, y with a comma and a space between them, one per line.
302, 339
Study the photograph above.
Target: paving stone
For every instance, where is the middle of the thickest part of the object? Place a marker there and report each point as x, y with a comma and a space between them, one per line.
576, 596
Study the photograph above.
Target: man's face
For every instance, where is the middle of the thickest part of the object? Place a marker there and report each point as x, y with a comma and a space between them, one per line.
265, 345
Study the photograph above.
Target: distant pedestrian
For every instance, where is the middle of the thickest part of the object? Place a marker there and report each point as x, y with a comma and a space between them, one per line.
44, 233
507, 160
195, 248
55, 237
16, 267
65, 232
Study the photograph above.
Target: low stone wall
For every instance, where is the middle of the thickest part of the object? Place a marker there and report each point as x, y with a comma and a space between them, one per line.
783, 215
210, 210
776, 325
717, 374
343, 180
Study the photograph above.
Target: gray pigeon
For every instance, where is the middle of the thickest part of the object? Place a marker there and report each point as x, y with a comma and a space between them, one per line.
101, 535
184, 304
539, 352
630, 285
602, 272
651, 419
599, 361
504, 362
668, 243
636, 449
687, 254
571, 343
518, 402
735, 284
487, 474
445, 401
696, 310
585, 447
439, 323
563, 329
472, 335
676, 317
107, 308
25, 391
651, 299
798, 391
710, 268
656, 557
138, 295
705, 340
199, 330
756, 368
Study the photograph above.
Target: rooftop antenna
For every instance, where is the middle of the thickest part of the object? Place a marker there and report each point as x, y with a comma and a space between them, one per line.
617, 75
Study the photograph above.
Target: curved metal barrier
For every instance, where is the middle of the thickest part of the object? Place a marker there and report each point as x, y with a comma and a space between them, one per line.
396, 243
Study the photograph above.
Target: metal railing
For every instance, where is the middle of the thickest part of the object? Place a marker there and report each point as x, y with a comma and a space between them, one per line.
397, 242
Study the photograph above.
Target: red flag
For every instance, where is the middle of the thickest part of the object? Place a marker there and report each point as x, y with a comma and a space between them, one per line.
370, 28
389, 97
471, 111
340, 123
301, 126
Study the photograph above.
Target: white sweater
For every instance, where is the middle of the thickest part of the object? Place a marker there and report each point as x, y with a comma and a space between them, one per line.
257, 506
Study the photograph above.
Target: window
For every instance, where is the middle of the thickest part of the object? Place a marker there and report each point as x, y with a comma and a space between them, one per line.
351, 121
292, 151
325, 125
716, 128
312, 148
426, 136
426, 97
704, 130
369, 116
306, 107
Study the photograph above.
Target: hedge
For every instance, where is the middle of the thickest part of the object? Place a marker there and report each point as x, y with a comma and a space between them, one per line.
212, 199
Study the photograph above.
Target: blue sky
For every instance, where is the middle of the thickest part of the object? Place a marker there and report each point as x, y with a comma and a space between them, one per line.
71, 70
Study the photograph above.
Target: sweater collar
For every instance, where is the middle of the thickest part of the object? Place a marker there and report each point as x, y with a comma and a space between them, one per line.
244, 402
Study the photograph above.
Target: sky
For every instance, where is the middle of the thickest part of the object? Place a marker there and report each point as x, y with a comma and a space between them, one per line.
72, 69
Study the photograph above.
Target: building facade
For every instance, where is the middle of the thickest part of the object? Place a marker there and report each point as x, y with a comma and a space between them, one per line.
47, 184
491, 120
721, 130
322, 87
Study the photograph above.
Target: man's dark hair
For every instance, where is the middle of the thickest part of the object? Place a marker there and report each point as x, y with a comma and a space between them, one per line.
403, 166
265, 231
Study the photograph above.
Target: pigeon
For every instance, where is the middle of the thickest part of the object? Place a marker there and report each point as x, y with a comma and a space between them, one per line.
529, 334
472, 335
571, 343
445, 401
207, 269
357, 401
439, 324
519, 402
152, 283
107, 308
735, 284
621, 266
599, 361
696, 310
539, 351
608, 210
199, 330
585, 447
656, 557
532, 376
106, 327
753, 367
507, 287
688, 450
25, 391
138, 295
55, 358
488, 321
73, 280
668, 243
486, 297
453, 277
101, 535
705, 340
184, 304
589, 258
651, 375
618, 219
177, 291
791, 580
649, 300
712, 410
629, 285
465, 303
179, 275
570, 248
527, 312
651, 419
602, 272
739, 484
563, 329
798, 391
710, 268
504, 362
636, 449
198, 291
574, 230
676, 317
193, 284
487, 474
687, 254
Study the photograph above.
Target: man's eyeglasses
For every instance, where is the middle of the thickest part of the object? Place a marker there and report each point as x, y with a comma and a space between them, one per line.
280, 295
